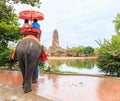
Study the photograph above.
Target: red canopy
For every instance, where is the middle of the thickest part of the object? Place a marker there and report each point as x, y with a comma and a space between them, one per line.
31, 14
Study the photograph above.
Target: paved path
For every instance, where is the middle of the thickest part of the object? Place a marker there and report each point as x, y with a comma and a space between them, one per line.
70, 87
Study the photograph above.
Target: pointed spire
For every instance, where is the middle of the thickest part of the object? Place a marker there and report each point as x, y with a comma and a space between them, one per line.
55, 39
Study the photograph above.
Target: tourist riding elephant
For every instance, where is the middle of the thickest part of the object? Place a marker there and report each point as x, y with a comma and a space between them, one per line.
28, 52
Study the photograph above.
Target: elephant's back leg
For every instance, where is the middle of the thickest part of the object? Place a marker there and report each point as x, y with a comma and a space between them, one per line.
22, 68
21, 62
32, 61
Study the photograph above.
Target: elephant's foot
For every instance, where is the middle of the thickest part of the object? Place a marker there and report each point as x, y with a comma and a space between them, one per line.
34, 81
26, 90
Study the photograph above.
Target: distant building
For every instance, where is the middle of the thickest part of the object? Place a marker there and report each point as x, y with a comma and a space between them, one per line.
55, 39
55, 49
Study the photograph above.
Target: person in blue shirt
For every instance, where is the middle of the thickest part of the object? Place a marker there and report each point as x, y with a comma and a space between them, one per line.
35, 24
36, 30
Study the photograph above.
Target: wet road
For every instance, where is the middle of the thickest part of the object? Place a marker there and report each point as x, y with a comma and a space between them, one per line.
69, 87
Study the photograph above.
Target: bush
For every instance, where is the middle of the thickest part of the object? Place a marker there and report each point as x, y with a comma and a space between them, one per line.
5, 59
109, 59
88, 50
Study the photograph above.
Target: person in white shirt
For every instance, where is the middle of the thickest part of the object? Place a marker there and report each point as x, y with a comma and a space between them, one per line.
26, 23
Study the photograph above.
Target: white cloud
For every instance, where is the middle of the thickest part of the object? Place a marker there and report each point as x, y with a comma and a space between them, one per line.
79, 22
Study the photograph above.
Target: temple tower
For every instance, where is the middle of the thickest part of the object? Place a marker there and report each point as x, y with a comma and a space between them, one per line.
55, 39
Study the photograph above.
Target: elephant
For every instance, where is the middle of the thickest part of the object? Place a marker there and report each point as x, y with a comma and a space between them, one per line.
28, 52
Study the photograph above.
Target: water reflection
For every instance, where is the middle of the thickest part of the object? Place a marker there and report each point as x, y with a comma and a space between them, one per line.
68, 88
78, 66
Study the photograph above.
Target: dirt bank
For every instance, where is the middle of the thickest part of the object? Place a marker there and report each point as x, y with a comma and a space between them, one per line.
72, 57
9, 93
11, 89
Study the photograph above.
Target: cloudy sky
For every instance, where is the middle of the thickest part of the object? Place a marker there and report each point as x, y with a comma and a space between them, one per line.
79, 22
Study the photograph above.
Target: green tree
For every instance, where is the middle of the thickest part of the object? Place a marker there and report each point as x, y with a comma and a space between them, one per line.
9, 27
9, 31
29, 2
88, 50
116, 22
78, 50
109, 59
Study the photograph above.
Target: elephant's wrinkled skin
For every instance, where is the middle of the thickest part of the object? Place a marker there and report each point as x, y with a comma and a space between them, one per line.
28, 52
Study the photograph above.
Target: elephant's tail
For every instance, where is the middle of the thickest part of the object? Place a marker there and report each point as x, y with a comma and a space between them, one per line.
26, 61
26, 54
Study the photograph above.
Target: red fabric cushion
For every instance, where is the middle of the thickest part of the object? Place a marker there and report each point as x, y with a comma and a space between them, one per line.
30, 30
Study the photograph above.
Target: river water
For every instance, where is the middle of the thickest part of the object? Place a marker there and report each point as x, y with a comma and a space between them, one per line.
75, 66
